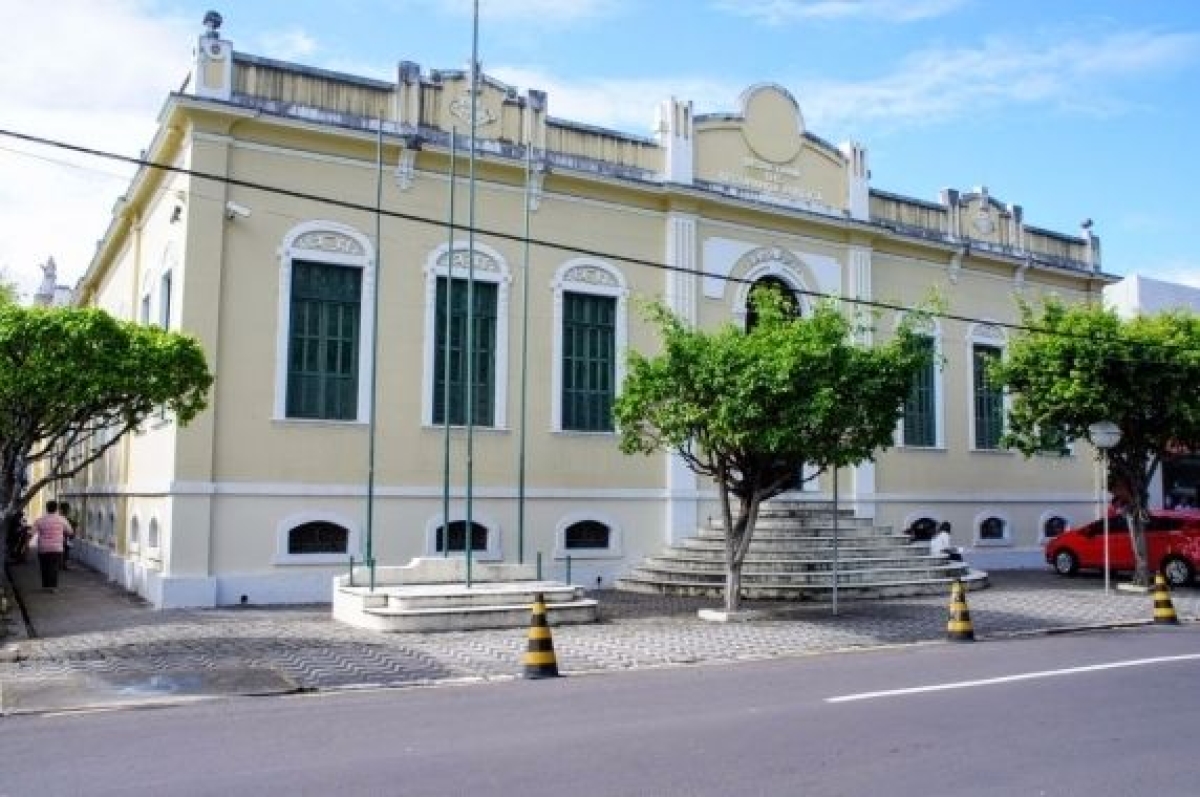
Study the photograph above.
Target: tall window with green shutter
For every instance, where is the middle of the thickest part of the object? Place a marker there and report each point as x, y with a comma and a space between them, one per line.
989, 400
920, 418
323, 344
589, 362
483, 346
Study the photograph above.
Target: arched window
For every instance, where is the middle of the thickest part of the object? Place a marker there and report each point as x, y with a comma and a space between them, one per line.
987, 342
318, 537
451, 274
457, 535
770, 283
922, 529
586, 535
152, 535
589, 344
324, 348
135, 534
993, 529
1053, 526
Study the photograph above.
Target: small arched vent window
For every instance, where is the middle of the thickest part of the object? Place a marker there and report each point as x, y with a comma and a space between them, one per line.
587, 535
923, 529
992, 528
1054, 526
458, 535
319, 536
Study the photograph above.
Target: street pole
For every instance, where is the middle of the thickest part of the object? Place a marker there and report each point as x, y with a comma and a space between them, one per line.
1104, 436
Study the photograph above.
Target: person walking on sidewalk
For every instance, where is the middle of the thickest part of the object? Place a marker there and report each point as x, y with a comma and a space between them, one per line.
51, 531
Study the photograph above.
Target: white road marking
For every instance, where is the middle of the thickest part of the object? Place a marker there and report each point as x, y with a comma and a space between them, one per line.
1005, 679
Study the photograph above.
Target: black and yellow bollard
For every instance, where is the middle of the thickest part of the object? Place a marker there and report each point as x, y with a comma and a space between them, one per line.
539, 657
1164, 610
959, 628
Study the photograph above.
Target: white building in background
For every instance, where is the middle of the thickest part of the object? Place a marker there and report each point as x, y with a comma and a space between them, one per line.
1179, 477
1138, 294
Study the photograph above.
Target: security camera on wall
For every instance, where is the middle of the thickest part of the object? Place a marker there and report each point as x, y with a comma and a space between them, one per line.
235, 211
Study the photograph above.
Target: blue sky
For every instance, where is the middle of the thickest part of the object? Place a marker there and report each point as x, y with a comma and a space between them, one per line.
1073, 109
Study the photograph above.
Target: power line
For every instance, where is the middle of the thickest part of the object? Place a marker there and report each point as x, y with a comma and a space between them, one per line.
542, 242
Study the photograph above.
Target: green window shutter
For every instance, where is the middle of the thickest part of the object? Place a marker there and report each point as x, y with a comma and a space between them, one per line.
588, 362
989, 400
326, 303
920, 419
484, 344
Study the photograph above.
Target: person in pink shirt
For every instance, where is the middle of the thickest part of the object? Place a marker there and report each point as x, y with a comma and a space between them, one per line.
51, 531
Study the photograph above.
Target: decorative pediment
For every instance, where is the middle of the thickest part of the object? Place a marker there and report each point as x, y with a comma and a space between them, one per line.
459, 260
329, 241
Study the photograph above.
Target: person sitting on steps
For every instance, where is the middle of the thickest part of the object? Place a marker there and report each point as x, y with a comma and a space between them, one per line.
941, 545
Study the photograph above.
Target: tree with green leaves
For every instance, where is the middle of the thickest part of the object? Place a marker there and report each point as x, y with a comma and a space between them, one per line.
750, 409
74, 382
1077, 365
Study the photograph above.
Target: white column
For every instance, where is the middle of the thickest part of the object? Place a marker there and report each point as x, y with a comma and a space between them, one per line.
858, 286
681, 297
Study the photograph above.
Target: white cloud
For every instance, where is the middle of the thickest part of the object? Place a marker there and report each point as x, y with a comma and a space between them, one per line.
292, 44
626, 105
784, 12
86, 72
933, 86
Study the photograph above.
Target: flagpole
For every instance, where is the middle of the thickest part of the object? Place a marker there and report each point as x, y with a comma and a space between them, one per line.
524, 350
447, 326
370, 542
470, 343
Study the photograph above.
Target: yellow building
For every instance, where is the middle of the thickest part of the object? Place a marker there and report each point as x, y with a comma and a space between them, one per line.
302, 231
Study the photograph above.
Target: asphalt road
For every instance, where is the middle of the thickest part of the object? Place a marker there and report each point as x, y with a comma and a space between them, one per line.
1103, 713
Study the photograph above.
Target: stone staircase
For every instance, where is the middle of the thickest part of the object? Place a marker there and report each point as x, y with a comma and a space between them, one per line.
429, 594
791, 558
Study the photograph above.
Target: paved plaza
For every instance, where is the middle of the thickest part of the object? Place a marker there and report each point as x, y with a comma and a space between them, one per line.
91, 643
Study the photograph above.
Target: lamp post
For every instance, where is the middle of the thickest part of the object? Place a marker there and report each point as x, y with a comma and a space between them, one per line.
1104, 436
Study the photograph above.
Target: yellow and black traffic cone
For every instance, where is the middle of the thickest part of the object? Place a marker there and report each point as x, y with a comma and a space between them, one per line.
539, 657
959, 628
1164, 610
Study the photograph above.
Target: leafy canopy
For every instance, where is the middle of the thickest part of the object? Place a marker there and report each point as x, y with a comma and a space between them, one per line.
749, 409
70, 376
1082, 364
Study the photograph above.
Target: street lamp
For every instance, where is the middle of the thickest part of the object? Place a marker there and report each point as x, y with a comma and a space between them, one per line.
1104, 435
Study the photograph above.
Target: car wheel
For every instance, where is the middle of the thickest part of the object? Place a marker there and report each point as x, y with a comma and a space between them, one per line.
1177, 571
1066, 563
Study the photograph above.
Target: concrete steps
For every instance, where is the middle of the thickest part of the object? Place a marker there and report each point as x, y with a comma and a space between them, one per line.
431, 595
791, 557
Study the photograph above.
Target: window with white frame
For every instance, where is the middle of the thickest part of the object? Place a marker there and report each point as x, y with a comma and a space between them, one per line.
1052, 525
324, 347
587, 536
921, 425
318, 536
992, 529
466, 337
451, 539
315, 537
134, 533
987, 398
152, 534
164, 299
589, 344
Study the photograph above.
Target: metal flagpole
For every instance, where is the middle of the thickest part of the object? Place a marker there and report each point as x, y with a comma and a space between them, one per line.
370, 552
447, 308
470, 343
524, 351
835, 539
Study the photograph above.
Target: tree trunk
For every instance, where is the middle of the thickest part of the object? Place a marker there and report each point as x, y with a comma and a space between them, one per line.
1136, 517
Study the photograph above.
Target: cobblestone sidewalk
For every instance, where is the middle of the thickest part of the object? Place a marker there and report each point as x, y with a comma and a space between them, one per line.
311, 651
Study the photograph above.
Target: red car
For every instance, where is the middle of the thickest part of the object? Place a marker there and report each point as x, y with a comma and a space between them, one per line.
1172, 541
